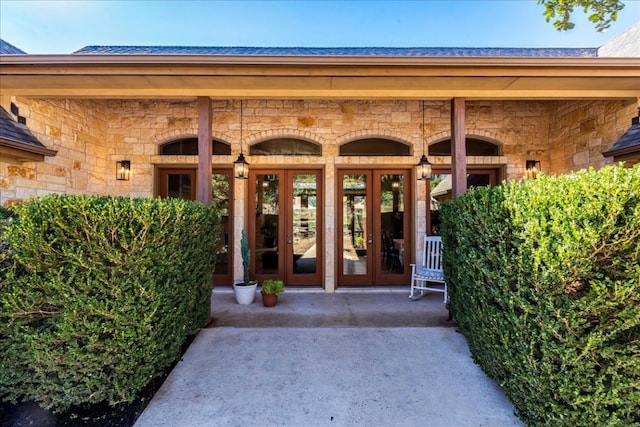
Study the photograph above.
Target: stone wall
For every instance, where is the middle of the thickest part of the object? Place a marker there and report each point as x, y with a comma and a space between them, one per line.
91, 135
77, 130
579, 131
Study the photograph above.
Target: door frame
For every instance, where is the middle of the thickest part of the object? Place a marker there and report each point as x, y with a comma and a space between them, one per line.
285, 233
164, 175
375, 275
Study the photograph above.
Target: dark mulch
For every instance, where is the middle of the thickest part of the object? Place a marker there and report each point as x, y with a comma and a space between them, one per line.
30, 414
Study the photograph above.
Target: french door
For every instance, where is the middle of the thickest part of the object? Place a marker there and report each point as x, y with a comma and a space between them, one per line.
374, 215
285, 225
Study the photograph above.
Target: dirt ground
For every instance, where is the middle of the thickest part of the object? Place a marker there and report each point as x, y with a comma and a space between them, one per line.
32, 415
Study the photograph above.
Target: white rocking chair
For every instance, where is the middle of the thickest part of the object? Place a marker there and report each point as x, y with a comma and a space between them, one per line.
429, 276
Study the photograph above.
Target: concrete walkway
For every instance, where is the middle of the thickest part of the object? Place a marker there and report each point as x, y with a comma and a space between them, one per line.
335, 366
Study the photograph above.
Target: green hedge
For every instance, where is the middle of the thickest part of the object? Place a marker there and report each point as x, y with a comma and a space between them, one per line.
6, 217
112, 288
544, 279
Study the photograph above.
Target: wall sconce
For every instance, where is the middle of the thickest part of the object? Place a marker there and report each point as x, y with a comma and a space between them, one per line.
123, 170
532, 168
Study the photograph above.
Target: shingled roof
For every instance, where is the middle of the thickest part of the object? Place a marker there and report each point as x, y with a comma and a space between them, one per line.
17, 141
628, 143
341, 51
7, 48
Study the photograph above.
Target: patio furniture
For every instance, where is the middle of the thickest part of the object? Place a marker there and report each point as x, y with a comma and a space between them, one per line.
429, 276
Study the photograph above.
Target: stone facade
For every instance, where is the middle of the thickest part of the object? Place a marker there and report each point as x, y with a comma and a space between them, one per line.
580, 131
91, 135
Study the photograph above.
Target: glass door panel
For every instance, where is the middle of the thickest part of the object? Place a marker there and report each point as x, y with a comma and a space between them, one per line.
179, 186
220, 191
267, 226
178, 183
304, 224
392, 223
355, 229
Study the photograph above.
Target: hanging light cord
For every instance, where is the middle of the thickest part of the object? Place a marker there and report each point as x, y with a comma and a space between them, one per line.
423, 127
241, 117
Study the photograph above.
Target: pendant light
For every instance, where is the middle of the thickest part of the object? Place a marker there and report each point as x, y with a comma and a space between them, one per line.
423, 168
240, 166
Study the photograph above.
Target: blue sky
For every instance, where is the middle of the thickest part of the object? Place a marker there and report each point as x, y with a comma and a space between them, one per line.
40, 27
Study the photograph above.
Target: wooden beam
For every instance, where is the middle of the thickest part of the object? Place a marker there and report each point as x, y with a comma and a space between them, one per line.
458, 149
203, 183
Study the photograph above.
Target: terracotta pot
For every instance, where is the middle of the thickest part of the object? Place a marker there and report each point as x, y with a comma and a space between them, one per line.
269, 300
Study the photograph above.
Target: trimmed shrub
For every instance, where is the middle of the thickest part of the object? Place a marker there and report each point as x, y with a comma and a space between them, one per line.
6, 217
544, 280
110, 289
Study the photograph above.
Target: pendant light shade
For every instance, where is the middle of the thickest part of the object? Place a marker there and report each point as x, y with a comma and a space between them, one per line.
423, 168
241, 167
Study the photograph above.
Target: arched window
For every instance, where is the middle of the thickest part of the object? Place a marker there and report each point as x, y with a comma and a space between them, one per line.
474, 146
285, 147
374, 147
189, 147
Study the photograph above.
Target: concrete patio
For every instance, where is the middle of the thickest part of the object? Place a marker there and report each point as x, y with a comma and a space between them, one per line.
316, 359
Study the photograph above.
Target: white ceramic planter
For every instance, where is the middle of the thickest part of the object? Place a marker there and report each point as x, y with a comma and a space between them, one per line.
245, 294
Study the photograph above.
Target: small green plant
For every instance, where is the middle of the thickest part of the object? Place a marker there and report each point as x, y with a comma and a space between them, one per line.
246, 256
272, 286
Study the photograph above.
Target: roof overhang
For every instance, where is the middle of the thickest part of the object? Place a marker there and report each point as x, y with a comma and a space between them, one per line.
628, 143
22, 152
308, 77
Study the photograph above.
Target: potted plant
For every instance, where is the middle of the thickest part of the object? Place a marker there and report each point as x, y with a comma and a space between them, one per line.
271, 288
245, 292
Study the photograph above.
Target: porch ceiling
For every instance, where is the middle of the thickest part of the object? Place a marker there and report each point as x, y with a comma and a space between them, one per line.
177, 76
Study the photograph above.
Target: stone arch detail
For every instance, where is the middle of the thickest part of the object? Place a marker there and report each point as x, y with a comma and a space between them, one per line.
378, 133
266, 135
174, 134
485, 135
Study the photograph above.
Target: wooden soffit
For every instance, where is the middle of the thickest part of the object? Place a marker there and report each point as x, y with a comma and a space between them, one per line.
175, 76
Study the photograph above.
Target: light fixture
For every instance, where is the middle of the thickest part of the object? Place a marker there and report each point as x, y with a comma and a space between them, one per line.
123, 170
423, 168
240, 166
532, 168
